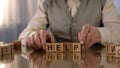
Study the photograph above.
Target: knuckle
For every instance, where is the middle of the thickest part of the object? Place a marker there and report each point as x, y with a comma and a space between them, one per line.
87, 25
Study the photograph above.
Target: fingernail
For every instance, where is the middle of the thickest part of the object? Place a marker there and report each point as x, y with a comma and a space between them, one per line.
43, 47
81, 42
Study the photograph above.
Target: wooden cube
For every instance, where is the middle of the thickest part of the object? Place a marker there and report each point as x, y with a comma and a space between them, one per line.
58, 47
107, 48
117, 53
0, 50
76, 47
110, 48
12, 46
68, 47
58, 56
50, 56
6, 49
50, 47
17, 45
1, 44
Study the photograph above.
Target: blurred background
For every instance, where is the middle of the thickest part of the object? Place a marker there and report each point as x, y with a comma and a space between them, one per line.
15, 15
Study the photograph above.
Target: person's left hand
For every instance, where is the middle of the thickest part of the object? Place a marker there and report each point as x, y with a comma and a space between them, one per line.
88, 36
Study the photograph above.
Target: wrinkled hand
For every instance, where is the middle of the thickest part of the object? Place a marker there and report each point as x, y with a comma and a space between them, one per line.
39, 39
89, 35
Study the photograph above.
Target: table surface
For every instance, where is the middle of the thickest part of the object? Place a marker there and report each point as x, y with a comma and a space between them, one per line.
28, 58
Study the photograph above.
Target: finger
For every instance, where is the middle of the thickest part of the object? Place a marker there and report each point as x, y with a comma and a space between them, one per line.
84, 32
90, 36
83, 46
52, 40
30, 41
34, 45
79, 34
37, 40
43, 35
94, 40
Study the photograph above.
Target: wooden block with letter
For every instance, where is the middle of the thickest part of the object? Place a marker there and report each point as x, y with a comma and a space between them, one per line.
117, 53
107, 48
110, 48
12, 46
68, 47
6, 49
50, 47
17, 45
1, 44
58, 47
76, 47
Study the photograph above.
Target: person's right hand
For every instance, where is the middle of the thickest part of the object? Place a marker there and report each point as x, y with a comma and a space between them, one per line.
39, 39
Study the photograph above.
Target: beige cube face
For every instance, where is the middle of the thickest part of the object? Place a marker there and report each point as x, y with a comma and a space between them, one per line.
68, 47
76, 47
58, 47
12, 47
110, 48
117, 53
50, 47
107, 48
6, 50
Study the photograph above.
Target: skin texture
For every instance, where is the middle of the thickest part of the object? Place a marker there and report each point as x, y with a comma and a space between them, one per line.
87, 37
39, 39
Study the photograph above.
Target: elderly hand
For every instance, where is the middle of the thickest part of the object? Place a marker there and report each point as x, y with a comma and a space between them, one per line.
88, 36
39, 39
